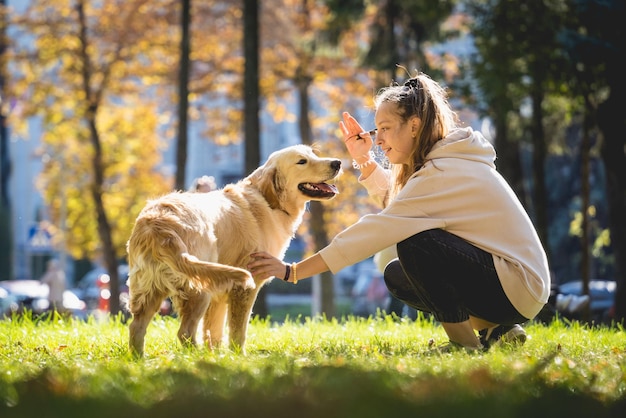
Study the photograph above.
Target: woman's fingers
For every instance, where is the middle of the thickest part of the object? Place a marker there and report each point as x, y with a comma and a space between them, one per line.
357, 145
349, 126
264, 265
259, 255
344, 129
352, 123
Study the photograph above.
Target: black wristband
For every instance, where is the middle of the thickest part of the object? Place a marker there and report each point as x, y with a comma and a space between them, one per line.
287, 273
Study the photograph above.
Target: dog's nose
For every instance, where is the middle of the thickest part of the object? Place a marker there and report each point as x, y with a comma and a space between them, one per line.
335, 165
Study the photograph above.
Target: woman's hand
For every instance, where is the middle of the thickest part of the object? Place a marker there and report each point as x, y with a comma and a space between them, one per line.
358, 142
264, 265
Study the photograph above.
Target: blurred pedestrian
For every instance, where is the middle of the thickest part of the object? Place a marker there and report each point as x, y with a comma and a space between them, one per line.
54, 278
203, 184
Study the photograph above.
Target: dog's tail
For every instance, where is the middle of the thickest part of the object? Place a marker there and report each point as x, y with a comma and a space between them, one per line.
155, 238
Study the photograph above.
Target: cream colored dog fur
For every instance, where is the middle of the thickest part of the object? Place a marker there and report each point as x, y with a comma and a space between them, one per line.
193, 247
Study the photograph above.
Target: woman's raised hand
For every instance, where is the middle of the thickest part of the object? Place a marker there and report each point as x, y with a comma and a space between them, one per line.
357, 140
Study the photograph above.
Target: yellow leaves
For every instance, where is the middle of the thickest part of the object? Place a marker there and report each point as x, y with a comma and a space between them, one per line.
576, 225
225, 125
130, 148
448, 63
602, 241
133, 57
279, 111
50, 83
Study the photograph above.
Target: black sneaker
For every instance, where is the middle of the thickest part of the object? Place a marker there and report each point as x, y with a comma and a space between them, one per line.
509, 334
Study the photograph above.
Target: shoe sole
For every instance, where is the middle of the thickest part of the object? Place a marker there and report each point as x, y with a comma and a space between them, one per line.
516, 336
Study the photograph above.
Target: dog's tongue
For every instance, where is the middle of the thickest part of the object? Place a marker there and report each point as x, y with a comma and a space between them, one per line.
329, 188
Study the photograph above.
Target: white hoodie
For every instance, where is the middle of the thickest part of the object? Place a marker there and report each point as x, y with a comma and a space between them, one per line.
460, 191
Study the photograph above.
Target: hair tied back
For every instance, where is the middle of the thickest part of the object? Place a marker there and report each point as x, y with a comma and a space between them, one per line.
413, 83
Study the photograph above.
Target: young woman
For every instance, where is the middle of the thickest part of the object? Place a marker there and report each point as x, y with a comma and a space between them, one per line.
467, 251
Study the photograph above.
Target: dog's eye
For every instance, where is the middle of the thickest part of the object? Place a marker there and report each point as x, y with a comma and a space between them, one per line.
302, 161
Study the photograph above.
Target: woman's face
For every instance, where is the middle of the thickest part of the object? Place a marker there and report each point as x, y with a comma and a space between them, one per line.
394, 136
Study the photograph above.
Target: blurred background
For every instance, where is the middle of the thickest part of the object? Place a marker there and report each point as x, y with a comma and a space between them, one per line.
106, 104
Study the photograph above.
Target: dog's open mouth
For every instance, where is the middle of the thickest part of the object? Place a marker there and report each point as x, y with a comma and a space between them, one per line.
318, 190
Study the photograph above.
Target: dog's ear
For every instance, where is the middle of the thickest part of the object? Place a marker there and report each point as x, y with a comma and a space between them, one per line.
271, 184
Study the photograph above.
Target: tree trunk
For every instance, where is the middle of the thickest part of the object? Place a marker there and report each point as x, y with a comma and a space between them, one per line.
585, 150
251, 85
539, 173
104, 228
316, 209
612, 122
252, 110
183, 96
320, 237
6, 230
508, 162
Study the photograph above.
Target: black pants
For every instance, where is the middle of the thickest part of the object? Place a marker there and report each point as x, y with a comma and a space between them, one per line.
439, 273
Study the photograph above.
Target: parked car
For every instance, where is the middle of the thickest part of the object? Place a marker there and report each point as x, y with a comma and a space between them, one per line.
94, 288
346, 278
369, 293
570, 301
8, 303
33, 295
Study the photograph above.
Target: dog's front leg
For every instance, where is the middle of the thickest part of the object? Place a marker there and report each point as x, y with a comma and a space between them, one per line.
215, 321
241, 302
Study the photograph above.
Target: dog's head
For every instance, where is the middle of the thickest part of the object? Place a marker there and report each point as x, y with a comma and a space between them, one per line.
294, 175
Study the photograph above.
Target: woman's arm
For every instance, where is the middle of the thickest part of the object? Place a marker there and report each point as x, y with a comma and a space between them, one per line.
264, 265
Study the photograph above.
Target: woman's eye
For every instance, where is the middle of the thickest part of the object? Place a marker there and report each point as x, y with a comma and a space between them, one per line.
302, 161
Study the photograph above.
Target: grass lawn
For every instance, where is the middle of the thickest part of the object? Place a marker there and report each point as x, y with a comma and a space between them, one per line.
303, 367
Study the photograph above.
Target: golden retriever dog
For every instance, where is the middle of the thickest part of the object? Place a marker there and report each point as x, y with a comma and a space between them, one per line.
193, 247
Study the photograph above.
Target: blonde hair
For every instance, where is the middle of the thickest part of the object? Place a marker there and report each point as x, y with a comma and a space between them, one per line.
424, 98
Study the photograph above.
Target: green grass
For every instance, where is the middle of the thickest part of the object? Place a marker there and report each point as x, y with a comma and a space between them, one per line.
303, 367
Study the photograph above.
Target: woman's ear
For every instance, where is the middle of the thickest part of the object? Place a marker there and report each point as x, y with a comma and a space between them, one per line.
415, 125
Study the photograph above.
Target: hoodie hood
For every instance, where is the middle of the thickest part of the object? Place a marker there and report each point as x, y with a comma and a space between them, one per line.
467, 144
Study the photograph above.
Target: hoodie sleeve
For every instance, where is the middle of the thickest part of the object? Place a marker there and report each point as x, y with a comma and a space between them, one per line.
377, 185
373, 233
451, 191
